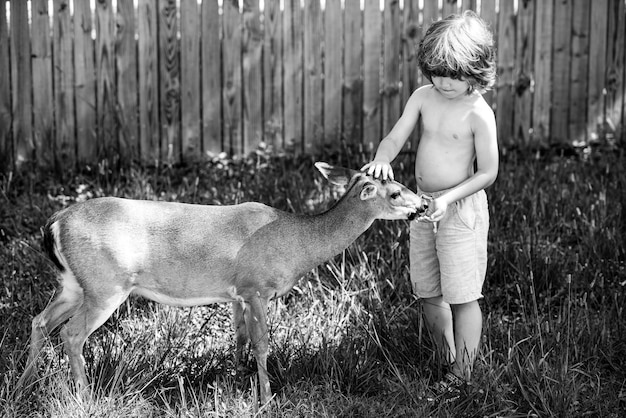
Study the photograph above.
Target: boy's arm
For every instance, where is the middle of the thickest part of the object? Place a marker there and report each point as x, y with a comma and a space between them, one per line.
391, 145
486, 147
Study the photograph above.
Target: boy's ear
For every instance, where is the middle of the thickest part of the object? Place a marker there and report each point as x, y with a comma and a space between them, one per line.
338, 176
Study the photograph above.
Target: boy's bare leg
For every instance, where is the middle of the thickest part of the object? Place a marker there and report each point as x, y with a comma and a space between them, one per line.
468, 322
438, 316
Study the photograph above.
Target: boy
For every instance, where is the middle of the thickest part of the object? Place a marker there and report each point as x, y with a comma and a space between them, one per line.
457, 157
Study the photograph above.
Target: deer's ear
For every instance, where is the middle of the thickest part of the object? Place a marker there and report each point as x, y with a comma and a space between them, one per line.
339, 176
368, 192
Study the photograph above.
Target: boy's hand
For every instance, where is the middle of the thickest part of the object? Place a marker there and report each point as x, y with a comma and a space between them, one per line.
437, 209
379, 169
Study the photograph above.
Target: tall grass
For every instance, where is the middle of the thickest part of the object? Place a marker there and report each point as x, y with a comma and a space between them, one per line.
349, 339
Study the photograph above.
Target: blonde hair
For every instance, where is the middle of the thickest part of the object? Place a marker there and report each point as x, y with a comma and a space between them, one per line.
459, 47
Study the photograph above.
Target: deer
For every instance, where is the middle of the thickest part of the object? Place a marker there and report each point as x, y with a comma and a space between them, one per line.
181, 254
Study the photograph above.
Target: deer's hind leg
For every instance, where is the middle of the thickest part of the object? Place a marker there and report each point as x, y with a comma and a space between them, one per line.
64, 304
94, 312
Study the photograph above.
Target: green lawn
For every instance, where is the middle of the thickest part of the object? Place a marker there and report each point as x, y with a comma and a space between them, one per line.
349, 339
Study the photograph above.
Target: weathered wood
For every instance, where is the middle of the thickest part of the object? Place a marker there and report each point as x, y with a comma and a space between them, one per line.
353, 82
126, 66
233, 129
490, 17
149, 132
523, 74
85, 84
543, 67
391, 65
43, 99
64, 85
506, 62
372, 127
333, 41
597, 68
561, 69
431, 14
252, 81
190, 91
313, 124
169, 77
449, 7
22, 82
616, 66
149, 88
579, 71
107, 113
410, 72
6, 138
273, 75
211, 79
293, 75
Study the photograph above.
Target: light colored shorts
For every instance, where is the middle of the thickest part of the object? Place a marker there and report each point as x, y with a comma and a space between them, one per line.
452, 261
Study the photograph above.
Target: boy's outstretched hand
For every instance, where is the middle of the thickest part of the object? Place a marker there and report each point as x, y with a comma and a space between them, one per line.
379, 169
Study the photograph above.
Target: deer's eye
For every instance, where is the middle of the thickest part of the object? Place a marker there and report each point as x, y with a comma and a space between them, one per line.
395, 195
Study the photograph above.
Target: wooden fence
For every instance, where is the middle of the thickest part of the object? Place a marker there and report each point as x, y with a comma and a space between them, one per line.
172, 80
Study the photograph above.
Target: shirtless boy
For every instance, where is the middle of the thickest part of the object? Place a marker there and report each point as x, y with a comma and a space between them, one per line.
457, 158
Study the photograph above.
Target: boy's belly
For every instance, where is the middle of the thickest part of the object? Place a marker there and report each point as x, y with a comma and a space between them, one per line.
440, 168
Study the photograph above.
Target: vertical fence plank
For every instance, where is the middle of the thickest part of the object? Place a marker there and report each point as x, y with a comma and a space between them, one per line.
64, 85
448, 8
6, 140
616, 61
313, 123
252, 69
468, 5
273, 75
391, 65
21, 76
543, 67
410, 44
169, 76
276, 82
190, 80
579, 65
597, 67
43, 103
524, 47
333, 46
506, 64
431, 14
293, 75
107, 113
126, 62
561, 69
85, 84
372, 128
148, 81
233, 134
353, 82
410, 70
489, 15
211, 78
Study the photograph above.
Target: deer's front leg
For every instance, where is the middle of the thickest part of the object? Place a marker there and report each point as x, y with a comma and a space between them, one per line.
256, 321
241, 333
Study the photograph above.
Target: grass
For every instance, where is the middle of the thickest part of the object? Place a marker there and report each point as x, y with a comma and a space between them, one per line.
348, 340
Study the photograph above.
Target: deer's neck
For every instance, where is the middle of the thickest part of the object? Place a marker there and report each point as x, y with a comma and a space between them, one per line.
334, 230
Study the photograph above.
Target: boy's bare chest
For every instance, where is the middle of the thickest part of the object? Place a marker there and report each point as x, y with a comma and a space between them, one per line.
448, 125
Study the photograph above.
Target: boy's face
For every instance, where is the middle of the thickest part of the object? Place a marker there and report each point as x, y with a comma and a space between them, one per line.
451, 88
